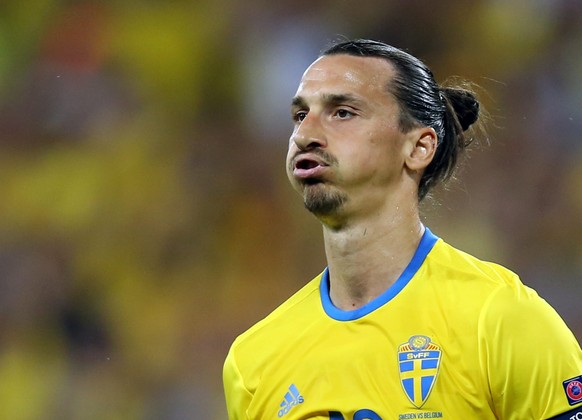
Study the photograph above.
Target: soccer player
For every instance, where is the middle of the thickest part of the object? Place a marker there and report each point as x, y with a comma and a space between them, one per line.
400, 325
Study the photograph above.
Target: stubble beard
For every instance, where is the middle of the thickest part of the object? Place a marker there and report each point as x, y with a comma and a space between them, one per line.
322, 201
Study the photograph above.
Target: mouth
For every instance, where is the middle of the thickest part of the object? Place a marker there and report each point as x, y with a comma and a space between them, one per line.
306, 167
306, 164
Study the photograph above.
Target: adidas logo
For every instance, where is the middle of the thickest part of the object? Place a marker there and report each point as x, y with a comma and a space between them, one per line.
292, 398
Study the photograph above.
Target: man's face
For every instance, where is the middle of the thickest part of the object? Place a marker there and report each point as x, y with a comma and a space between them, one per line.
346, 150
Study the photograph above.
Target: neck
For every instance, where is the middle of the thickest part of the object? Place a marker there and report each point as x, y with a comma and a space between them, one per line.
365, 257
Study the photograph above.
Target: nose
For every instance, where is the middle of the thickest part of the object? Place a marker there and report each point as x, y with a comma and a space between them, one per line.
309, 133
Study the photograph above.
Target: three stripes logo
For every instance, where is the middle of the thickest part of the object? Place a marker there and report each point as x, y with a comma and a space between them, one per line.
292, 398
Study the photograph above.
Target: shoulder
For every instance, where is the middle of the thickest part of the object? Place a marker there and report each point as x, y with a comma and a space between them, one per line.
299, 302
505, 299
517, 313
462, 264
494, 299
528, 354
261, 340
452, 272
525, 349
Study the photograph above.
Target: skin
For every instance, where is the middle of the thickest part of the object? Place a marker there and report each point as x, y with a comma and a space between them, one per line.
358, 173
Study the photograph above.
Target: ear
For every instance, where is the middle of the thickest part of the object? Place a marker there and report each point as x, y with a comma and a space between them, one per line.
423, 142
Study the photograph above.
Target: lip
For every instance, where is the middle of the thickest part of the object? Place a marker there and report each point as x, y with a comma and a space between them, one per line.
308, 165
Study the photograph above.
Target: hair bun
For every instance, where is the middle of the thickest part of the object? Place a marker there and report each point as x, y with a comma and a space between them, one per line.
465, 104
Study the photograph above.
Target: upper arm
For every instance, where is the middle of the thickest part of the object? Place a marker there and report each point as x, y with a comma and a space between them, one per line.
237, 396
527, 353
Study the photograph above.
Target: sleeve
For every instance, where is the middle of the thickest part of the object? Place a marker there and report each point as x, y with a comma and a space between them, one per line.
238, 398
528, 356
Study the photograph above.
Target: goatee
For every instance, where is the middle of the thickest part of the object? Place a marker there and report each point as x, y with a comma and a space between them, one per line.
320, 201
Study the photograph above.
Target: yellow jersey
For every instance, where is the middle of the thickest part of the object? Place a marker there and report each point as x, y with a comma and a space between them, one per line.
453, 338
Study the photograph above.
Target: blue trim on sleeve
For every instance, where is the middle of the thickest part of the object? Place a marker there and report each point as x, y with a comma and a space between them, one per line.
424, 247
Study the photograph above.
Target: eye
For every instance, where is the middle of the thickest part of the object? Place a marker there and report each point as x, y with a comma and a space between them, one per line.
343, 113
299, 116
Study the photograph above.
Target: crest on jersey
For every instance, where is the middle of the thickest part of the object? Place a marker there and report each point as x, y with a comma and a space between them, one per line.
419, 360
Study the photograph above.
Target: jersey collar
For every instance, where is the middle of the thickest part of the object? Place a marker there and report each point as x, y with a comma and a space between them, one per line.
424, 247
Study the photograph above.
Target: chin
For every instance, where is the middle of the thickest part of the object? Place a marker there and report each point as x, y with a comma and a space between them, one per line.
323, 201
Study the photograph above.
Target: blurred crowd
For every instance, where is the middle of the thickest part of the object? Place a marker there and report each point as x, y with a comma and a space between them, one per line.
145, 216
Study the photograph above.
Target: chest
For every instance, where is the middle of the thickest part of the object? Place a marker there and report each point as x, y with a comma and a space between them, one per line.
373, 369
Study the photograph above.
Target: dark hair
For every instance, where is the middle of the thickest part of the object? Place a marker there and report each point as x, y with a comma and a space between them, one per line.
448, 110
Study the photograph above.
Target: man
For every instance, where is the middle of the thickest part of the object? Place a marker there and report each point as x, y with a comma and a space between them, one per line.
400, 325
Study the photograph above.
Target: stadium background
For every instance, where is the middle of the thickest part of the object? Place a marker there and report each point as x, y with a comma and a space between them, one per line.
145, 217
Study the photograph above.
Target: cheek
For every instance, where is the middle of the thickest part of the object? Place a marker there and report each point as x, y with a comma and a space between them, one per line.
387, 145
290, 153
288, 168
383, 158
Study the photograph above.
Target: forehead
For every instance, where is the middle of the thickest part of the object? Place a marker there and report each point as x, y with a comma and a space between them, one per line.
349, 74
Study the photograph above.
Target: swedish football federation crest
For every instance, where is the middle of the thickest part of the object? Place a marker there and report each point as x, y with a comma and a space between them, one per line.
418, 362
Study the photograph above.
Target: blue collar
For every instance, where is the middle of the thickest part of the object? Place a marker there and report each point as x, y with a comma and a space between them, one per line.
424, 247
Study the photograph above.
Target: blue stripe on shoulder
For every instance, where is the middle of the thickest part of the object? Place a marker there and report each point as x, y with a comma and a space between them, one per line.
426, 244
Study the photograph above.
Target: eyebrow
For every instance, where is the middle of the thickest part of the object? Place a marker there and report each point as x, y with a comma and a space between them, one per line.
328, 99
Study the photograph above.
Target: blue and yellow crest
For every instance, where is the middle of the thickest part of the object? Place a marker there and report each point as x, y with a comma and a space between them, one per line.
419, 360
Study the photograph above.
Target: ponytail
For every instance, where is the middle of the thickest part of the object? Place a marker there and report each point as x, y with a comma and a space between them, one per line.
461, 111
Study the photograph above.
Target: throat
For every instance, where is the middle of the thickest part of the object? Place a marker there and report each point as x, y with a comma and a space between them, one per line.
365, 263
349, 296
